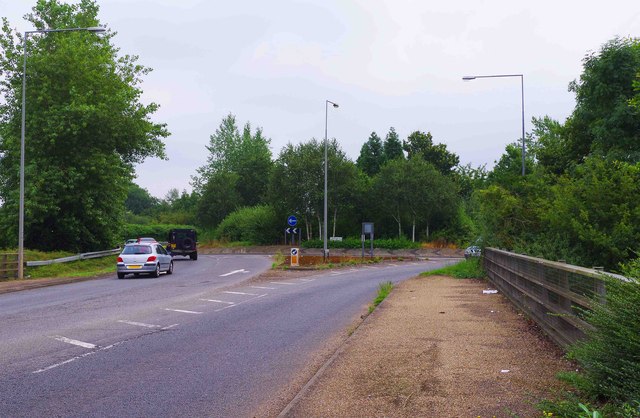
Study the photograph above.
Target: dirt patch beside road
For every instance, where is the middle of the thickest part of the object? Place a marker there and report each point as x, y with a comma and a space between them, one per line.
438, 347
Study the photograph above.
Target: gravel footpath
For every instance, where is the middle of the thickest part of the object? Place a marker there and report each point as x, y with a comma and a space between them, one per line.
437, 347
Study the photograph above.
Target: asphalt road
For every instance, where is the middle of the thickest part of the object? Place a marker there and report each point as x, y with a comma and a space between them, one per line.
197, 343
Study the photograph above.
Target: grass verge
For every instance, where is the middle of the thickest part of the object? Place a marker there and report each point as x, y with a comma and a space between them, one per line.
384, 289
470, 268
80, 268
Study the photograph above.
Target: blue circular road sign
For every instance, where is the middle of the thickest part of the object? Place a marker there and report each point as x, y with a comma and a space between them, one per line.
292, 220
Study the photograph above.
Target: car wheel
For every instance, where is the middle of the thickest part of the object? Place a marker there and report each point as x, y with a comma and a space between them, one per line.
193, 256
156, 273
121, 275
170, 271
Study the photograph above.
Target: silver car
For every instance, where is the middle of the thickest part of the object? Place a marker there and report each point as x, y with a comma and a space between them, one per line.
144, 258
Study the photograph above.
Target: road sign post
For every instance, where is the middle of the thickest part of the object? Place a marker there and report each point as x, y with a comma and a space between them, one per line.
367, 229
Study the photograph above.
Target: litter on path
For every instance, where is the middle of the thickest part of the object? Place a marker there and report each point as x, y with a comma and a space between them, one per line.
489, 291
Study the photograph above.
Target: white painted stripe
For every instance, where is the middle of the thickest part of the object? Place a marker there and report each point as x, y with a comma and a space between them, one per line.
306, 280
234, 272
74, 342
53, 366
169, 327
182, 311
218, 301
241, 293
240, 303
139, 324
289, 284
263, 287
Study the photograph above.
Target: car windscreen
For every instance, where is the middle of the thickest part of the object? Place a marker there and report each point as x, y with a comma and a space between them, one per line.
137, 249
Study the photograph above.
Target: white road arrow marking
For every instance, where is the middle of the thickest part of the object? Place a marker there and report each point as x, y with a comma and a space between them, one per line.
234, 272
74, 342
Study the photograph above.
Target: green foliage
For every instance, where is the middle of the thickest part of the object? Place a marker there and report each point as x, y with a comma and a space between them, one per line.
158, 231
610, 356
392, 147
297, 184
139, 201
218, 199
85, 130
419, 144
470, 268
257, 225
603, 122
246, 155
355, 243
598, 210
384, 289
371, 155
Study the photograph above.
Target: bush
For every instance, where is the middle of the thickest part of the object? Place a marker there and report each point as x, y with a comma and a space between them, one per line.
610, 356
354, 243
159, 231
257, 224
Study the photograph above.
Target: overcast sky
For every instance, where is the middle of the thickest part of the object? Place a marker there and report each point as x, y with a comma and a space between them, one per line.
385, 62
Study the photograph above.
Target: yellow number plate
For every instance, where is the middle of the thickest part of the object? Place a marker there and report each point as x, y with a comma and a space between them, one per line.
134, 266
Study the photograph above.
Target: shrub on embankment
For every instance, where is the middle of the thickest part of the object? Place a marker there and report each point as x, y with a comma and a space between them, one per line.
608, 382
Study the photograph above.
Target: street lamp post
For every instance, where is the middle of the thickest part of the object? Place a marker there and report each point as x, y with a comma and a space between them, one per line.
473, 77
325, 251
95, 29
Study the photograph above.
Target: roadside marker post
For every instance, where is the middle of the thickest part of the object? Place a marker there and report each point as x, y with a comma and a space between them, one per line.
295, 257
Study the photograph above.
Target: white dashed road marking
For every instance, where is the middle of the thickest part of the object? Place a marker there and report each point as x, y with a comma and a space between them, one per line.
53, 366
240, 303
306, 280
139, 324
74, 342
219, 301
241, 293
289, 284
182, 311
263, 287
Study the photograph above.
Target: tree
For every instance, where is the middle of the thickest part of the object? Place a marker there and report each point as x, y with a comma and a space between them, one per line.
247, 155
392, 146
85, 130
603, 122
219, 198
419, 144
549, 145
371, 155
297, 183
599, 211
139, 200
414, 190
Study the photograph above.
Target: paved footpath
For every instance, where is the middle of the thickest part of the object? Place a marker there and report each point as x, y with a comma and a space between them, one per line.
437, 347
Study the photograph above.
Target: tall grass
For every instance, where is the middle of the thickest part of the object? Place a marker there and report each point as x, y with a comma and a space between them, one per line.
470, 268
384, 289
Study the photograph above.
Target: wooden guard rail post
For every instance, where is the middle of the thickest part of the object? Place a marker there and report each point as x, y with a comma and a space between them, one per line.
551, 293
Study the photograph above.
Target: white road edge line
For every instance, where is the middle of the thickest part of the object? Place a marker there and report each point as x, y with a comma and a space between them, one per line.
74, 342
240, 303
168, 327
182, 311
263, 287
240, 293
288, 284
218, 301
139, 324
306, 280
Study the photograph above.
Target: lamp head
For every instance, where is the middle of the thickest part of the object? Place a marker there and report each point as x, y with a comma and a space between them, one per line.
468, 78
335, 104
96, 29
